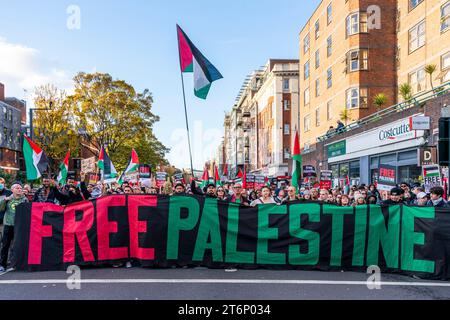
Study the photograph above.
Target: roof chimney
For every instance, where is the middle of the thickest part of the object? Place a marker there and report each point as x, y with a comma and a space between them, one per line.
2, 92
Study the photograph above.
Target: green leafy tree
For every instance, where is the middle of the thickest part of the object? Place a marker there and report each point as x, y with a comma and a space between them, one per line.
53, 129
111, 113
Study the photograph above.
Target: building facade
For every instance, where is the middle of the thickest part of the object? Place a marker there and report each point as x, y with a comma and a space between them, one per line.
258, 130
12, 112
423, 30
347, 57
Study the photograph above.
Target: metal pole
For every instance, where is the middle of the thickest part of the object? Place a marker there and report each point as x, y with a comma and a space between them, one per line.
31, 124
185, 110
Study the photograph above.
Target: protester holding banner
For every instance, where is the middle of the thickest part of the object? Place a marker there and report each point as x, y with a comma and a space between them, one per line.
292, 196
9, 205
395, 197
265, 199
45, 193
436, 194
221, 194
3, 194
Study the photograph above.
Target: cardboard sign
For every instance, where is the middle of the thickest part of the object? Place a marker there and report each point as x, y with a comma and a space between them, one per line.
250, 181
161, 179
387, 177
309, 171
89, 165
325, 179
92, 178
431, 177
260, 181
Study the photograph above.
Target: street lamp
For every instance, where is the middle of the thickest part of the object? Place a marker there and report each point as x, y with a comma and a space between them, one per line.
31, 116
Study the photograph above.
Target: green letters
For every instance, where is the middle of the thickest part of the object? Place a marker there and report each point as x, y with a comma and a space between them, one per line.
265, 233
209, 227
389, 238
295, 213
411, 238
177, 224
232, 255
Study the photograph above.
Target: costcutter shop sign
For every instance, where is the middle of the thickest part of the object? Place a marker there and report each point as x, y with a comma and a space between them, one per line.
390, 134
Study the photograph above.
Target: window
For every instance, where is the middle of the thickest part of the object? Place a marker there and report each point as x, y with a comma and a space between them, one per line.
356, 98
317, 87
358, 60
397, 57
329, 78
417, 80
329, 46
329, 106
317, 59
356, 23
306, 70
417, 37
306, 44
287, 153
445, 66
287, 105
329, 14
287, 129
306, 96
414, 3
307, 123
354, 170
318, 117
286, 84
445, 17
317, 29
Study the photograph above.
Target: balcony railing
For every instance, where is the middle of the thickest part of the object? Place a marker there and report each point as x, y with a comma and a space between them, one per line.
417, 100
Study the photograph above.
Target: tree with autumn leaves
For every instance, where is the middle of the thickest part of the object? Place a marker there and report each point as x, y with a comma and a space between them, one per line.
101, 112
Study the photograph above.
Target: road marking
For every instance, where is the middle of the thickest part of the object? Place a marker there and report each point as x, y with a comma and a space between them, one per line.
227, 281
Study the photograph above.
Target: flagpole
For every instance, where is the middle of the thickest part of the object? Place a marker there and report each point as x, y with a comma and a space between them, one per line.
185, 107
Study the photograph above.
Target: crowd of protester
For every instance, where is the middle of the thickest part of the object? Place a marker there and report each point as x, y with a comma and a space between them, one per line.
72, 192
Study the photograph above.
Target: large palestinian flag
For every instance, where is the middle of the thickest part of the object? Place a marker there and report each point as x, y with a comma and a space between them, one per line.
64, 169
133, 166
106, 166
192, 60
36, 162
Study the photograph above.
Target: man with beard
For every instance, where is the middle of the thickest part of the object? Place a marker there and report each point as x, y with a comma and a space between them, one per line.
45, 193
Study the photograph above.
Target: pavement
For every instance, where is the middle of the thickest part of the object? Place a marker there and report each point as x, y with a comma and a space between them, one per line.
209, 284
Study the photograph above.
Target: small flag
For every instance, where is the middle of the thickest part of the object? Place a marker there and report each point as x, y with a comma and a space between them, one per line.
217, 177
431, 172
133, 165
106, 166
225, 170
64, 169
192, 60
36, 162
205, 179
296, 163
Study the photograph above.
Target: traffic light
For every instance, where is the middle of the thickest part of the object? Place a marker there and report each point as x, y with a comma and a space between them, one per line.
444, 142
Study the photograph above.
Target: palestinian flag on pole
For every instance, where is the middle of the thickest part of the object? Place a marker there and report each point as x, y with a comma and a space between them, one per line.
192, 60
205, 179
106, 166
133, 165
217, 177
239, 178
36, 162
225, 170
296, 163
64, 169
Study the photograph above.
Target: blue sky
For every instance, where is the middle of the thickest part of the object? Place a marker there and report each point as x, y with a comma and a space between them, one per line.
136, 41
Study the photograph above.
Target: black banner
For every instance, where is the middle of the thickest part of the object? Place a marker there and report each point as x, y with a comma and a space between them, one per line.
160, 231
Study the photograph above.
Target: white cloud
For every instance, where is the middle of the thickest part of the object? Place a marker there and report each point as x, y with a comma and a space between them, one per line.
24, 68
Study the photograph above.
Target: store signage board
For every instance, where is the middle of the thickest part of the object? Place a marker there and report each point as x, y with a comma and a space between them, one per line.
386, 135
420, 123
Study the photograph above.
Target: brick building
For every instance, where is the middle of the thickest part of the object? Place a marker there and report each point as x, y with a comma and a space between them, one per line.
12, 117
346, 59
384, 140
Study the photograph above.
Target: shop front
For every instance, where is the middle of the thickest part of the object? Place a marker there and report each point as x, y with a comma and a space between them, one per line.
357, 159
